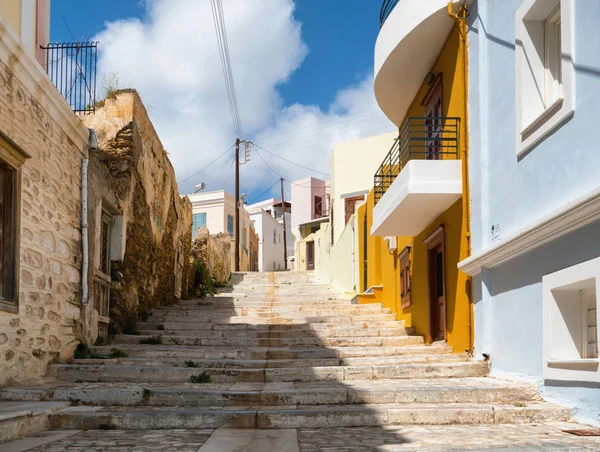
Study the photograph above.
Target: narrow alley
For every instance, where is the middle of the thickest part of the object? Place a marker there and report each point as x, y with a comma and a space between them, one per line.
286, 354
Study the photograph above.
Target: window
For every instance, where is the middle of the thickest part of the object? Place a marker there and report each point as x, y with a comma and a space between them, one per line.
544, 69
11, 160
405, 278
198, 221
318, 211
230, 225
105, 236
244, 234
279, 238
570, 323
274, 236
350, 206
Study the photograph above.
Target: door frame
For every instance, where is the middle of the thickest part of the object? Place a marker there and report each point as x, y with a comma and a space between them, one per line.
434, 242
433, 127
310, 246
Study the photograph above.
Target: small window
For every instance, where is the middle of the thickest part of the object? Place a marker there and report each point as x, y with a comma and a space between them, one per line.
274, 237
198, 221
318, 211
230, 225
544, 69
405, 299
590, 328
8, 233
105, 236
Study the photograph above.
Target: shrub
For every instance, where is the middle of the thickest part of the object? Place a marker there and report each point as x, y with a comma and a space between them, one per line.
203, 282
202, 378
153, 340
160, 327
191, 364
130, 327
116, 353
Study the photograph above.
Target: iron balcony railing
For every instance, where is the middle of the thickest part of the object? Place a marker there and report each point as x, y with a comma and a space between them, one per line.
386, 9
420, 138
72, 68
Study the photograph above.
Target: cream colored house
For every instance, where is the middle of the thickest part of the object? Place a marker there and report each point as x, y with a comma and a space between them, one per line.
215, 210
30, 20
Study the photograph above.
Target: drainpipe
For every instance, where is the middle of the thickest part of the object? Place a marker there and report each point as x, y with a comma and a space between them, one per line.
353, 252
461, 21
93, 145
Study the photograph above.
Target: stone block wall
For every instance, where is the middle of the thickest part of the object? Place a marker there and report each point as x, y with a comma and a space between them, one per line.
132, 178
36, 120
214, 252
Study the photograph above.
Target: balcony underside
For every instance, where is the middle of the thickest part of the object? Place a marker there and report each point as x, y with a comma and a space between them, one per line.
423, 190
407, 47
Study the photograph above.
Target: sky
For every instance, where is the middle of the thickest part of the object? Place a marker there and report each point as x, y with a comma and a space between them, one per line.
302, 72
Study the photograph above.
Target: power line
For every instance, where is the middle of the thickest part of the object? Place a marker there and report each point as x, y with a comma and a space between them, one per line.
228, 172
202, 169
265, 192
289, 161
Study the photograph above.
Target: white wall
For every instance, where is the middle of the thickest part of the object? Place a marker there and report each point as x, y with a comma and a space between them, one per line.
352, 167
268, 252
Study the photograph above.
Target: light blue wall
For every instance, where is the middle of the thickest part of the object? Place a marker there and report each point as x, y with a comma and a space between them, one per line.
513, 192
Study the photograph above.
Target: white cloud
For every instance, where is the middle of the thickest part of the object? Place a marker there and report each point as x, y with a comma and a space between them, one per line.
171, 58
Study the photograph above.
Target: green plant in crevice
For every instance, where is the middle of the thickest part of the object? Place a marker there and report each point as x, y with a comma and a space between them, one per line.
84, 352
144, 315
100, 341
146, 394
152, 340
107, 427
203, 282
130, 327
117, 353
191, 364
161, 327
201, 378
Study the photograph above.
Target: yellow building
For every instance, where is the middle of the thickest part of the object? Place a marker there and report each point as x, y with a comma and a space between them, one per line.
413, 229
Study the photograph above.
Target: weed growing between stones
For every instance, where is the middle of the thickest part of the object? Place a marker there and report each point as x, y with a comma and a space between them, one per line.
153, 340
130, 327
202, 378
117, 353
73, 401
520, 405
146, 394
107, 427
84, 352
144, 315
161, 327
191, 364
203, 282
100, 341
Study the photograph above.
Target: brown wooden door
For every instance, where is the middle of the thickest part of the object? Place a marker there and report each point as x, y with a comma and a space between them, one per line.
437, 284
310, 255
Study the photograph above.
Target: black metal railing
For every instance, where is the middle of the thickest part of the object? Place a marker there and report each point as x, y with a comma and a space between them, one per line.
386, 9
419, 139
72, 68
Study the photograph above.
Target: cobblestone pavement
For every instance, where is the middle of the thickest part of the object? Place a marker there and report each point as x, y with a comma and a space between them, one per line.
129, 441
548, 437
540, 437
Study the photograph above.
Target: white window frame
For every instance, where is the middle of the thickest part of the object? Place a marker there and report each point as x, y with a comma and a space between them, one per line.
531, 22
564, 357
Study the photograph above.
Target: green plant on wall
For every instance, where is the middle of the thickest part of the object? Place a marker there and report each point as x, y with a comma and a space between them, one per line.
203, 282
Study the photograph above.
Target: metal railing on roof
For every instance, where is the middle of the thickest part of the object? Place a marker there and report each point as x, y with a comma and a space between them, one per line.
72, 68
420, 138
386, 9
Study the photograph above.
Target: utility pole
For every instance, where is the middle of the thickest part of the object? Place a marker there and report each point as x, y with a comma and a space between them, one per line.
237, 205
284, 228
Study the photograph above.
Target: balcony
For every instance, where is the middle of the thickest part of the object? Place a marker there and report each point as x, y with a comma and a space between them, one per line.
410, 39
419, 178
72, 69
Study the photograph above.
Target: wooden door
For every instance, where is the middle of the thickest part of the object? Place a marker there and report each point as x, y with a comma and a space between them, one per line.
433, 120
310, 255
437, 285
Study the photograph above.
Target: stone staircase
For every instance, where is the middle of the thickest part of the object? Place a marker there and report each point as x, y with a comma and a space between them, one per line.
278, 351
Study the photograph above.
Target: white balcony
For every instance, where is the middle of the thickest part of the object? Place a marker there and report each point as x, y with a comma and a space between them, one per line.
407, 47
419, 179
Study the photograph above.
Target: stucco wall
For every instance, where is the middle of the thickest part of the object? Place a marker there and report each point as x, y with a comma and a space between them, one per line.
37, 119
352, 166
10, 11
511, 192
268, 252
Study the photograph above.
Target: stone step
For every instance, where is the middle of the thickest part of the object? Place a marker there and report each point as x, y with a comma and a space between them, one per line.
325, 416
277, 363
21, 418
186, 352
465, 390
281, 309
203, 326
207, 318
273, 334
130, 373
367, 341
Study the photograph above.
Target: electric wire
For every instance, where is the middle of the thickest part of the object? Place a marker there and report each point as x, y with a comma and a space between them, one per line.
202, 169
289, 161
264, 193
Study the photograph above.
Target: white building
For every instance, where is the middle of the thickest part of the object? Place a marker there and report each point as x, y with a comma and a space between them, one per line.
216, 211
274, 207
270, 241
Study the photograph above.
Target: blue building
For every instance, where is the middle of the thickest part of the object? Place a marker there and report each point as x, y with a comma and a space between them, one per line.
534, 76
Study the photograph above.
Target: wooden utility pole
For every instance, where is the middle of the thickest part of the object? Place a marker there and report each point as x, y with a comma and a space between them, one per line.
284, 227
237, 205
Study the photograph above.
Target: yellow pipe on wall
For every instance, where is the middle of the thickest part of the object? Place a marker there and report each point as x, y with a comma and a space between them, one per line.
461, 20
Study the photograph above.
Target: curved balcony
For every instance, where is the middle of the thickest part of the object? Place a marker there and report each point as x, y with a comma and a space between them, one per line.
411, 37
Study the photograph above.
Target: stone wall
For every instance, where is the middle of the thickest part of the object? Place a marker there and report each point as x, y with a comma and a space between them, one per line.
36, 120
133, 182
214, 252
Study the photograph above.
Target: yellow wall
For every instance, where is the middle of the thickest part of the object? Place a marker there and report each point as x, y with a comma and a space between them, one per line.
10, 10
383, 265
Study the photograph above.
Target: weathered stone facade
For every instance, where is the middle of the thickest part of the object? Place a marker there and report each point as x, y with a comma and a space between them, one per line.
36, 120
214, 252
132, 182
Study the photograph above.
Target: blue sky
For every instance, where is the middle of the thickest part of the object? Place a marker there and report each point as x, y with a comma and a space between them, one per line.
340, 35
301, 90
